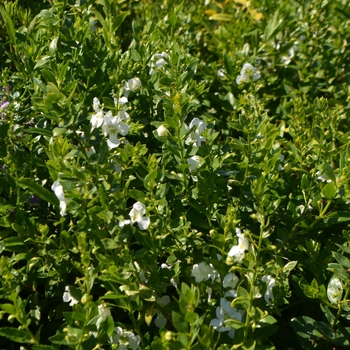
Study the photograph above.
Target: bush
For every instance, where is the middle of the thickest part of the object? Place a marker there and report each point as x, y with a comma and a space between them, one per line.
174, 175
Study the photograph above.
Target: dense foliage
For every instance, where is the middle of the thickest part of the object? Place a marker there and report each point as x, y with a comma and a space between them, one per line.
175, 175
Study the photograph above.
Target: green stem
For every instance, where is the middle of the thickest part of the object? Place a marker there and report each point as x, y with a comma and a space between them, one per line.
253, 280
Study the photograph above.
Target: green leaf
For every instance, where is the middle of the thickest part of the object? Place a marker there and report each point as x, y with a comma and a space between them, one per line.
9, 308
39, 190
222, 17
273, 26
249, 345
329, 191
53, 46
337, 217
135, 55
9, 24
179, 322
40, 131
137, 195
118, 20
328, 171
62, 339
342, 260
17, 335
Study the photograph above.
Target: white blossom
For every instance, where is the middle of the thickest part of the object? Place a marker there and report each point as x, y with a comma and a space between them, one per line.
103, 313
270, 284
202, 272
68, 298
323, 177
125, 339
137, 214
112, 127
230, 281
197, 126
97, 119
194, 162
131, 85
221, 73
58, 190
281, 159
162, 131
225, 312
238, 251
335, 290
247, 72
158, 60
161, 321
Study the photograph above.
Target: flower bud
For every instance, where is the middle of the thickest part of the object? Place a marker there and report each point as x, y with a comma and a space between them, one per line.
162, 131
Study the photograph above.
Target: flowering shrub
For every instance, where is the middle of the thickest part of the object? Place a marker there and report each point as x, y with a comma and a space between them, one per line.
174, 175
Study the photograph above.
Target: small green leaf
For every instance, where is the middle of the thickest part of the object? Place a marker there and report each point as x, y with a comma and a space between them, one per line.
179, 322
39, 190
9, 24
135, 55
16, 335
329, 191
342, 260
222, 17
53, 46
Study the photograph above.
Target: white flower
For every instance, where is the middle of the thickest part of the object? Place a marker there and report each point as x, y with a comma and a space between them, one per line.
335, 290
174, 281
68, 298
281, 159
197, 126
270, 284
247, 72
160, 61
131, 85
160, 320
238, 251
137, 215
58, 189
286, 59
221, 73
162, 131
103, 313
125, 339
111, 127
194, 163
163, 301
223, 313
323, 177
97, 118
203, 272
121, 101
230, 280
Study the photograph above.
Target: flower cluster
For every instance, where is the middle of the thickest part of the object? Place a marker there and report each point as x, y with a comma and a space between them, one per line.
114, 125
137, 214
